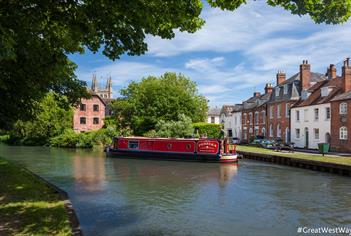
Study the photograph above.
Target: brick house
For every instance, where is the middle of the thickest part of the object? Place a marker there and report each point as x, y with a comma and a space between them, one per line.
311, 115
254, 113
285, 94
89, 115
340, 109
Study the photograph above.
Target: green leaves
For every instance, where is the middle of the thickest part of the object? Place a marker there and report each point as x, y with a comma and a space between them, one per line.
159, 98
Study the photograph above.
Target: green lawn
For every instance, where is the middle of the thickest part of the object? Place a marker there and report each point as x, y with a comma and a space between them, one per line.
28, 206
298, 155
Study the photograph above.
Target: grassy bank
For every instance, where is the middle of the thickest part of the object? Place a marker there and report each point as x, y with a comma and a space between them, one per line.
28, 206
298, 155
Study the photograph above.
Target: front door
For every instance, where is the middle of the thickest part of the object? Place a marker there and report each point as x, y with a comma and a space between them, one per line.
306, 137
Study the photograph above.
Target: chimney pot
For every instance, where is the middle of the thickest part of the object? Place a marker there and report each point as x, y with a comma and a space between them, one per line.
305, 75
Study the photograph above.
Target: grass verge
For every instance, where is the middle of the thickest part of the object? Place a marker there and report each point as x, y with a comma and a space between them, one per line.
28, 206
297, 155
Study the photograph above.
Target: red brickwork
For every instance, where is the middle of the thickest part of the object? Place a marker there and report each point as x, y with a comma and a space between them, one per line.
89, 114
275, 121
338, 121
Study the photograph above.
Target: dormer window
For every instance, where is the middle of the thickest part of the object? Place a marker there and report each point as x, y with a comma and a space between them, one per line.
324, 91
285, 89
305, 94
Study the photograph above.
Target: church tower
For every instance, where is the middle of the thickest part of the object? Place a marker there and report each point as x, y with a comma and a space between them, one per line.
104, 93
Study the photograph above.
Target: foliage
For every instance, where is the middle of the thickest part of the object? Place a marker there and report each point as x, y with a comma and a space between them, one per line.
151, 134
28, 206
50, 120
102, 137
36, 38
4, 138
175, 129
207, 129
321, 11
152, 99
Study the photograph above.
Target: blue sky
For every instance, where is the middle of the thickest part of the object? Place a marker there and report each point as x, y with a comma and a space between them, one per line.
234, 54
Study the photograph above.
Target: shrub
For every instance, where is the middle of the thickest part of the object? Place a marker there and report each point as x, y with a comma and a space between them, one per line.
175, 129
211, 130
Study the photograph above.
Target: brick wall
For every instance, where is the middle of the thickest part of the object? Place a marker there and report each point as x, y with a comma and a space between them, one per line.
89, 114
337, 121
283, 120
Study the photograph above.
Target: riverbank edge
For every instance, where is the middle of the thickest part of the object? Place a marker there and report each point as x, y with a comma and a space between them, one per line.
72, 216
339, 169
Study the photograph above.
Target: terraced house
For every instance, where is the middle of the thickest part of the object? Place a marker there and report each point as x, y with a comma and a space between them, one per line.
254, 114
285, 94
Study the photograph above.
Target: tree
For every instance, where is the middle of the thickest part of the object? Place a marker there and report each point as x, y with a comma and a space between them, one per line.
152, 99
36, 37
175, 129
50, 120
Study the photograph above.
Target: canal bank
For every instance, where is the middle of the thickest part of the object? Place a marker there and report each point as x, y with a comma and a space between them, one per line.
329, 163
30, 205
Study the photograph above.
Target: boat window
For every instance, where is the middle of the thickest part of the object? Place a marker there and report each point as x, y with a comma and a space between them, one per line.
169, 146
188, 146
133, 144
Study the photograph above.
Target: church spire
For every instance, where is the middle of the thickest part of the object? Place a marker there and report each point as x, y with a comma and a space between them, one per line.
93, 83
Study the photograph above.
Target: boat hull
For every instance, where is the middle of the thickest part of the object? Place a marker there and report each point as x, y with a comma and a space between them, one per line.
171, 156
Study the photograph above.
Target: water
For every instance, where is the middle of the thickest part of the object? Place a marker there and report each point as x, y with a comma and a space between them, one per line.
145, 197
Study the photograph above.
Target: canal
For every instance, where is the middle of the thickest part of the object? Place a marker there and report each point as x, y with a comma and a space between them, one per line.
144, 197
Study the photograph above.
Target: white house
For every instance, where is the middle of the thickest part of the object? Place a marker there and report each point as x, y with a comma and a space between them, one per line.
310, 125
231, 119
213, 115
311, 115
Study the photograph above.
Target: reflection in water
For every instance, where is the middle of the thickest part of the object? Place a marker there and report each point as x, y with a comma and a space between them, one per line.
147, 197
89, 173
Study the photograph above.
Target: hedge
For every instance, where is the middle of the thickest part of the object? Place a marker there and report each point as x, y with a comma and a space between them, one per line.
208, 129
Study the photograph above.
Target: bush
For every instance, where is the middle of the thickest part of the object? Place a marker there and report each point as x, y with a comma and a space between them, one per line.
151, 134
175, 129
211, 130
4, 138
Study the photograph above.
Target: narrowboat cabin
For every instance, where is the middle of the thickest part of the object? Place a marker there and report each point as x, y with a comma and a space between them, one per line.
211, 150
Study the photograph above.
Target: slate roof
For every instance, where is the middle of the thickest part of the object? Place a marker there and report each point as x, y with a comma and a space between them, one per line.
237, 108
254, 102
227, 109
293, 87
315, 97
342, 96
214, 111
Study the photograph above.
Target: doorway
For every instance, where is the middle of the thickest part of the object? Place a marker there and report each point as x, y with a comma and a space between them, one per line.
306, 137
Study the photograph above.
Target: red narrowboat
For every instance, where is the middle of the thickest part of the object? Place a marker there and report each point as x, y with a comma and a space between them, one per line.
211, 150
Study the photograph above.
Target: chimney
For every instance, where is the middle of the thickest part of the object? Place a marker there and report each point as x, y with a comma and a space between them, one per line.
331, 72
256, 94
268, 88
93, 83
280, 77
346, 75
305, 75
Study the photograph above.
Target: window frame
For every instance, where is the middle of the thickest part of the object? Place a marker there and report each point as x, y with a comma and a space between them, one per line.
343, 133
98, 120
343, 108
327, 113
94, 106
81, 119
83, 107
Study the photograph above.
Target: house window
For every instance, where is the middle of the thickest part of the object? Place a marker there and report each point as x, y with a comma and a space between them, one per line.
263, 132
83, 120
256, 118
245, 118
305, 114
250, 130
279, 131
95, 107
212, 119
285, 89
316, 114
256, 131
297, 115
235, 121
343, 108
263, 117
327, 113
279, 110
83, 107
343, 133
277, 91
297, 131
250, 117
271, 131
287, 110
271, 112
316, 133
95, 120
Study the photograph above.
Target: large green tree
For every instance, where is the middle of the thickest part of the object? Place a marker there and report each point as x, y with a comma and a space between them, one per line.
36, 36
152, 99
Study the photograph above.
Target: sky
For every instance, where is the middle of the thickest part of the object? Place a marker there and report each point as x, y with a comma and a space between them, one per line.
232, 55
